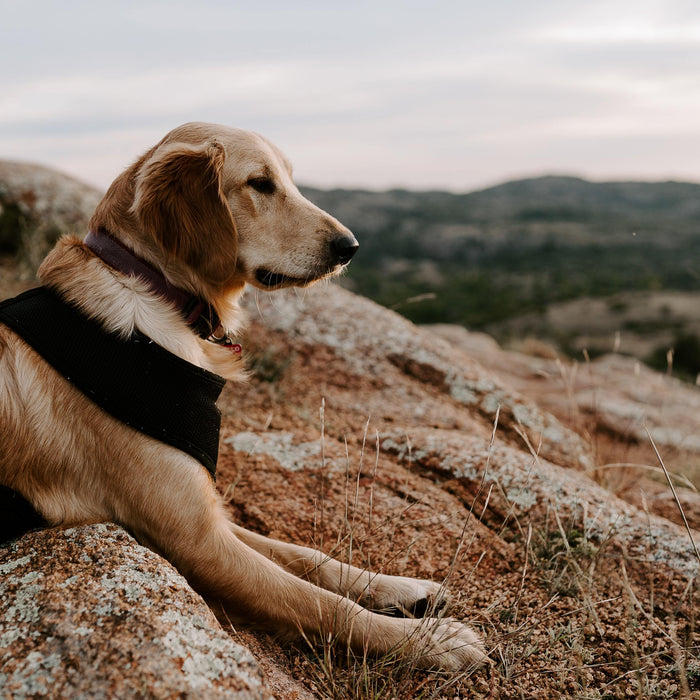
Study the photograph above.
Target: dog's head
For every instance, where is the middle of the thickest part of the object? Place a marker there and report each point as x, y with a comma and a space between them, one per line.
222, 202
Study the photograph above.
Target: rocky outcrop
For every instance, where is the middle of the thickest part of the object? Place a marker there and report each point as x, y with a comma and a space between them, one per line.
384, 435
88, 612
535, 460
624, 408
37, 205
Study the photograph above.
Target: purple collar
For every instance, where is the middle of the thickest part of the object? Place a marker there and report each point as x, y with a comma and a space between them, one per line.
198, 314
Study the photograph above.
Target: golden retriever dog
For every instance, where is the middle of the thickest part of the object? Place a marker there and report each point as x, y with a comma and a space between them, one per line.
205, 212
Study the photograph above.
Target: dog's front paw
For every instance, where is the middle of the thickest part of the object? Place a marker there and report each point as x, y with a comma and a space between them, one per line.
445, 644
402, 596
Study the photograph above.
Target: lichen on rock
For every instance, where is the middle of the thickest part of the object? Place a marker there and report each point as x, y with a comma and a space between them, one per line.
112, 619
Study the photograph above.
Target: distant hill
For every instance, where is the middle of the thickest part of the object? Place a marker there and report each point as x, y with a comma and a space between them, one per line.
486, 257
547, 198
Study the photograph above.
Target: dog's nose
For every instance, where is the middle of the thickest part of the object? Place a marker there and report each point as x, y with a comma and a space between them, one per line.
343, 247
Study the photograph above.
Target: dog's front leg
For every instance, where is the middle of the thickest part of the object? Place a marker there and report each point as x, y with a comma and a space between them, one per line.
375, 591
253, 588
188, 524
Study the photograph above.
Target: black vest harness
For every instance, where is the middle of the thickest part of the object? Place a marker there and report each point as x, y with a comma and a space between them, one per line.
135, 380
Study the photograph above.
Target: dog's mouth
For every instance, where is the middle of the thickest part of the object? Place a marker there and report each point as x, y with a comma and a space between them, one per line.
270, 279
274, 280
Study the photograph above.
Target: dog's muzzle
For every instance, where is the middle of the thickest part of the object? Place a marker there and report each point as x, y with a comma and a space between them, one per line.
340, 250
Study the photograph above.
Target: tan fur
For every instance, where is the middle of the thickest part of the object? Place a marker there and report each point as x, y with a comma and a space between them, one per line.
190, 208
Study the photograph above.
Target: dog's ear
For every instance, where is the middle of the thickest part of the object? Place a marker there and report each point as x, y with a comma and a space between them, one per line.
179, 201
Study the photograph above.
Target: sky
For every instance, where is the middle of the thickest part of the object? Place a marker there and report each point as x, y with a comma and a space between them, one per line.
442, 94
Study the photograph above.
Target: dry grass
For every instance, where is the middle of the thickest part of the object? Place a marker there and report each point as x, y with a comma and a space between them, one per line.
576, 618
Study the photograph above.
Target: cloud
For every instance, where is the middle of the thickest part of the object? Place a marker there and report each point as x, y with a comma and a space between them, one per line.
155, 92
451, 93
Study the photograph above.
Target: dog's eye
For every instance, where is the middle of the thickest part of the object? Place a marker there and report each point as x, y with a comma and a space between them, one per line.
264, 185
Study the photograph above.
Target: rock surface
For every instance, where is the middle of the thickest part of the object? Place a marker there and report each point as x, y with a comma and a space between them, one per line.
390, 447
37, 205
88, 612
621, 406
